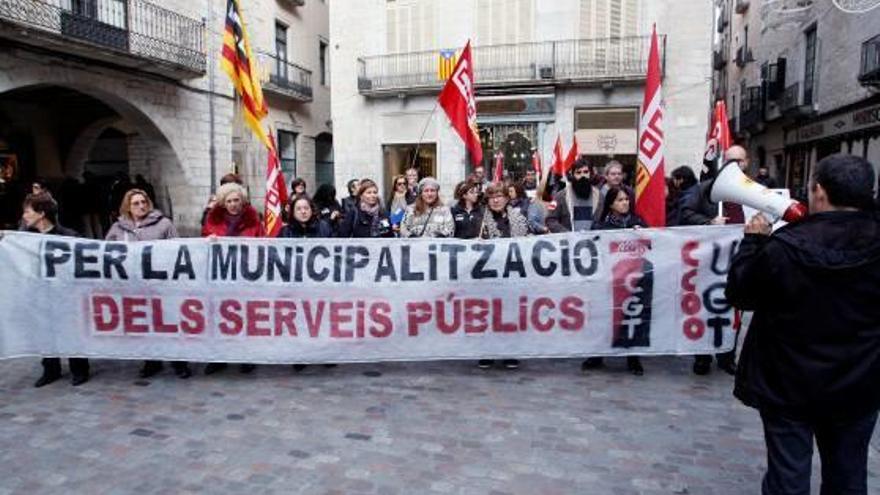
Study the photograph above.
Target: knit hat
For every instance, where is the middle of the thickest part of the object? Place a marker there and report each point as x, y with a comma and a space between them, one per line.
428, 181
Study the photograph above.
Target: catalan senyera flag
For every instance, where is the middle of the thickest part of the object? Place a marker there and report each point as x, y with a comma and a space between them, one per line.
446, 64
276, 192
650, 174
458, 101
238, 62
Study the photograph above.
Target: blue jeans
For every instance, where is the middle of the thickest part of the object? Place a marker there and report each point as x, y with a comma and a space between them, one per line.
843, 449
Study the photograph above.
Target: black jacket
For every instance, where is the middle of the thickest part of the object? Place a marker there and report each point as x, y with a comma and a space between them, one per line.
358, 223
612, 222
814, 342
316, 228
695, 207
467, 225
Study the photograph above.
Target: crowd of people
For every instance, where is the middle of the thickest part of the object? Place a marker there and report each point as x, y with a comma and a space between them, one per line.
810, 361
585, 200
414, 207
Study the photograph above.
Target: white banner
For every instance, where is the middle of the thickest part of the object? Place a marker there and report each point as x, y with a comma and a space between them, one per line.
643, 292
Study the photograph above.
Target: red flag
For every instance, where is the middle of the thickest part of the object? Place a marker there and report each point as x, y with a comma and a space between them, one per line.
457, 100
498, 176
650, 175
558, 166
536, 163
276, 192
719, 134
573, 153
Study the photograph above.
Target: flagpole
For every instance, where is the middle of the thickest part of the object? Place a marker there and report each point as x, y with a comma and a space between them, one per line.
422, 136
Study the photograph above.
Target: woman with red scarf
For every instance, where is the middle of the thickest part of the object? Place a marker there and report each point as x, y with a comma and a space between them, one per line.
232, 216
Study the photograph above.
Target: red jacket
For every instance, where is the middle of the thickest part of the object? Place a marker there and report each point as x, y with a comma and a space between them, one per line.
250, 225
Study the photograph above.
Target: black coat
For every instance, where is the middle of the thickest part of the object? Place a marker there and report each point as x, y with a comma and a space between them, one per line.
467, 225
358, 223
695, 207
610, 222
317, 228
814, 342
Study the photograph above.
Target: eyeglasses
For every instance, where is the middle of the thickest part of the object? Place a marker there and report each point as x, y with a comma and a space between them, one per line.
138, 203
401, 184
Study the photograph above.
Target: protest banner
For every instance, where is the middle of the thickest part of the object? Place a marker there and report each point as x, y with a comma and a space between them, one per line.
644, 292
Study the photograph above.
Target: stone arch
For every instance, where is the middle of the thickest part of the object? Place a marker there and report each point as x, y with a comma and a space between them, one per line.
150, 150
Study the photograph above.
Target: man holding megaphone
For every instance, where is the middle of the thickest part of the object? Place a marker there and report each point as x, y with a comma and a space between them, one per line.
810, 362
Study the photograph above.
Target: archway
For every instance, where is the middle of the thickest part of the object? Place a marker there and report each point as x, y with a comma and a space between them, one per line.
81, 141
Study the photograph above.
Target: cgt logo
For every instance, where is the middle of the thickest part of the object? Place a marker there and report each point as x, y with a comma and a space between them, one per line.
633, 291
712, 297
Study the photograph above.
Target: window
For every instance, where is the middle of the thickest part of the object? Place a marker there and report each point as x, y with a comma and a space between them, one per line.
281, 50
287, 152
746, 42
809, 65
325, 68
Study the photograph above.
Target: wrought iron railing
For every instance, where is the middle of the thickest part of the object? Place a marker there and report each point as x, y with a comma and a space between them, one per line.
136, 27
581, 60
791, 97
752, 108
286, 76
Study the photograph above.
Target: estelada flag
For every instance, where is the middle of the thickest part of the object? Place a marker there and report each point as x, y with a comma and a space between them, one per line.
717, 141
498, 176
238, 62
650, 174
276, 192
459, 103
446, 64
572, 156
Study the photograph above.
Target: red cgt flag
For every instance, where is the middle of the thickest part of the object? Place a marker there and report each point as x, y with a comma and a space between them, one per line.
719, 134
572, 156
558, 166
276, 192
536, 164
459, 103
650, 174
498, 176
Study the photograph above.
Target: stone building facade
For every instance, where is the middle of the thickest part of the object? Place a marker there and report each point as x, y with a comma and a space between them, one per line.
135, 87
567, 67
800, 80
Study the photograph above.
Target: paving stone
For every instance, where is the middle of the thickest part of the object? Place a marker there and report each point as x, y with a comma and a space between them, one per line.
393, 428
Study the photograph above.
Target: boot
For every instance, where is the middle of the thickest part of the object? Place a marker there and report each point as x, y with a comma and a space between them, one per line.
634, 365
150, 369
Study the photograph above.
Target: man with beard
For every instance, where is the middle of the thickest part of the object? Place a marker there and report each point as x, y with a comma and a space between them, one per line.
575, 205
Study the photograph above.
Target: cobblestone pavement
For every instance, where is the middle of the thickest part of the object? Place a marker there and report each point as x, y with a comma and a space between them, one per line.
407, 428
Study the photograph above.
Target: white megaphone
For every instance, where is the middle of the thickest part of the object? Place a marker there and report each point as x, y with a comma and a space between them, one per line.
731, 184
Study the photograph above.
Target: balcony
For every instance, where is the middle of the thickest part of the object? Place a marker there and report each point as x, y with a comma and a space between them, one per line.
751, 115
570, 62
791, 104
743, 56
284, 79
719, 59
869, 69
131, 33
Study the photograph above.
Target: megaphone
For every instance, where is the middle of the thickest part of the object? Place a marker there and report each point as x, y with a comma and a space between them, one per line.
731, 184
